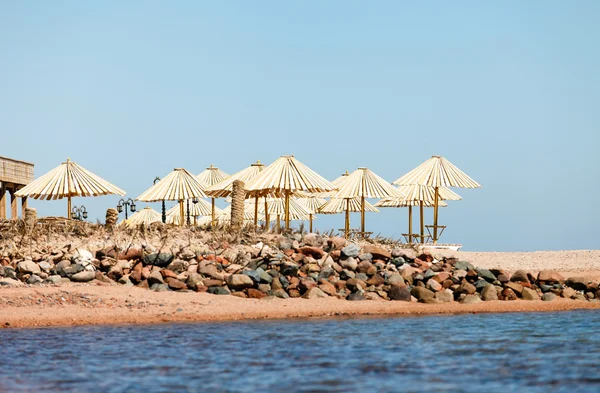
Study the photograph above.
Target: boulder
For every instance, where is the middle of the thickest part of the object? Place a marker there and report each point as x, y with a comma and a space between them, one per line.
486, 275
354, 284
530, 294
175, 284
218, 291
356, 296
434, 285
239, 282
34, 279
255, 293
28, 267
312, 239
327, 287
336, 243
577, 283
378, 252
548, 297
489, 293
280, 293
471, 299
421, 293
351, 250
568, 292
466, 288
462, 265
400, 293
445, 296
83, 276
550, 277
155, 278
158, 259
519, 276
314, 252
208, 269
395, 279
364, 267
349, 263
508, 294
376, 280
194, 280
314, 293
516, 287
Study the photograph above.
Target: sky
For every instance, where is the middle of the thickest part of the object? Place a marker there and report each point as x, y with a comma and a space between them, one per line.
507, 91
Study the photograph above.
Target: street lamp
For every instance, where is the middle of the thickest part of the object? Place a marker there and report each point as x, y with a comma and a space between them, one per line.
195, 200
129, 203
79, 213
164, 211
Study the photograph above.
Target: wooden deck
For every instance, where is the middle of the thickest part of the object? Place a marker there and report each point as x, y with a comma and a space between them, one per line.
14, 175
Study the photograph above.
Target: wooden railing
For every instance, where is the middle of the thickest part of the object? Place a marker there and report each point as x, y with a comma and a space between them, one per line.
15, 171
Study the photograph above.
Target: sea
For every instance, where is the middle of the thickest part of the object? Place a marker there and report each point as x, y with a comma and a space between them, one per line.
510, 352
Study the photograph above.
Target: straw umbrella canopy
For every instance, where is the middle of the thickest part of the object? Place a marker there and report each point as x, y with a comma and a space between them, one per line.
337, 183
363, 183
178, 185
211, 176
146, 216
437, 172
68, 180
312, 203
224, 188
200, 208
284, 177
406, 202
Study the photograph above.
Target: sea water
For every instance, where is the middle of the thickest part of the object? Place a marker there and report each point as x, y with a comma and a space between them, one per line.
526, 352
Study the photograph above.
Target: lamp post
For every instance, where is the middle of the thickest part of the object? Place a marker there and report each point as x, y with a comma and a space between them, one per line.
164, 211
79, 213
129, 203
194, 201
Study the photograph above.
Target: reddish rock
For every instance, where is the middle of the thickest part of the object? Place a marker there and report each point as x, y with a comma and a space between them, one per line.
336, 243
434, 285
133, 252
294, 293
519, 275
515, 287
168, 273
175, 284
289, 252
201, 288
341, 284
306, 283
467, 288
294, 283
327, 287
315, 252
335, 255
135, 276
364, 266
378, 252
146, 272
441, 277
354, 285
503, 278
255, 293
399, 293
212, 283
508, 294
376, 280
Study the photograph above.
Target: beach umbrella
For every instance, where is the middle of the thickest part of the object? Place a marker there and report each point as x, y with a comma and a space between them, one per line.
437, 172
276, 207
337, 183
284, 177
146, 216
199, 208
211, 176
347, 205
410, 203
178, 185
312, 203
224, 188
363, 183
68, 180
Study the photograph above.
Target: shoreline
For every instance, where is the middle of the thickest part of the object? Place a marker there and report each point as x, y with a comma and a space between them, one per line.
87, 305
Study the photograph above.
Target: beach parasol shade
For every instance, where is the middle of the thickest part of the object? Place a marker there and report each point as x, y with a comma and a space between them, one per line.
66, 181
199, 209
178, 185
437, 172
284, 177
146, 216
363, 183
211, 176
312, 203
337, 183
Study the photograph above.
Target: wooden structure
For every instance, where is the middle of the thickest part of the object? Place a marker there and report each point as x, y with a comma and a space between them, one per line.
14, 175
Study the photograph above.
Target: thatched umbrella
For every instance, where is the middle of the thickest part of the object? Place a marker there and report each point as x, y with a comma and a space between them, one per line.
211, 176
346, 205
66, 181
437, 172
224, 188
146, 216
363, 183
284, 177
312, 203
198, 208
178, 185
276, 207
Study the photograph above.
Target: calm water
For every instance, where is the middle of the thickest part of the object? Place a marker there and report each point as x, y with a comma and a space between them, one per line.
546, 352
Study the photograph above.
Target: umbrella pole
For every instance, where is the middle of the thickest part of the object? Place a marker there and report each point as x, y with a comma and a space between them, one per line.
422, 223
255, 212
278, 227
212, 223
69, 206
410, 224
181, 215
347, 223
267, 218
435, 215
310, 221
287, 211
362, 215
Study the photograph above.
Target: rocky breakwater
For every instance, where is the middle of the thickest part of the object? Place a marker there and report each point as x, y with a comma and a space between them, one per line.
309, 266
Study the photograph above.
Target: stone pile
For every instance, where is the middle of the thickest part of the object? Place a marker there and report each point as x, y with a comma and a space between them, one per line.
309, 266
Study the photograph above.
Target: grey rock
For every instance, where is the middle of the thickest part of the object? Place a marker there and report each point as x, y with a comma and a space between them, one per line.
349, 263
395, 279
486, 275
356, 296
312, 239
254, 275
398, 261
60, 267
219, 290
529, 294
83, 276
445, 296
365, 257
178, 266
28, 267
158, 259
548, 297
72, 269
577, 283
471, 299
159, 287
280, 293
289, 269
351, 250
480, 284
489, 293
209, 269
399, 293
463, 265
45, 266
34, 279
422, 293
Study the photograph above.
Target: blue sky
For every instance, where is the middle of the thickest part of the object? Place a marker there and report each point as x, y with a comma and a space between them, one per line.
508, 91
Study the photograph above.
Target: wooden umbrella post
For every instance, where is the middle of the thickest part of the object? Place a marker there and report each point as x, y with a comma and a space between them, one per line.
362, 215
212, 222
278, 225
410, 224
69, 207
347, 223
422, 223
287, 211
267, 218
435, 215
181, 214
310, 222
255, 212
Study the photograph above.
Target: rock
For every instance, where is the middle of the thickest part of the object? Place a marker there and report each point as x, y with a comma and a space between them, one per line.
351, 250
400, 293
312, 239
314, 252
239, 282
577, 283
364, 267
175, 284
219, 290
28, 267
280, 293
486, 275
255, 293
56, 279
550, 277
434, 286
10, 282
516, 287
406, 253
34, 279
314, 293
158, 259
395, 279
489, 293
378, 252
356, 296
290, 269
530, 294
134, 252
519, 276
178, 266
254, 275
467, 288
508, 294
159, 288
462, 265
365, 257
83, 276
349, 263
155, 278
548, 297
503, 278
45, 266
210, 270
336, 243
445, 296
421, 293
376, 280
354, 284
307, 283
327, 287
194, 280
471, 299
568, 293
